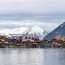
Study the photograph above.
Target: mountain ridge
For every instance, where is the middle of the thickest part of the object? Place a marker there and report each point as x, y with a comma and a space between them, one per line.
59, 31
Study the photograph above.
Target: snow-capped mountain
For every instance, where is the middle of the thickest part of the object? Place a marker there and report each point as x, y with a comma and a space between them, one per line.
34, 31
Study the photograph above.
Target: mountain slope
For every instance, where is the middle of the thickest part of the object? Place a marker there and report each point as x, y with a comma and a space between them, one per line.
59, 31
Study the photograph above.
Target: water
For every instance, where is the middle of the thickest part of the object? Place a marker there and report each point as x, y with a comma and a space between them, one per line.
31, 56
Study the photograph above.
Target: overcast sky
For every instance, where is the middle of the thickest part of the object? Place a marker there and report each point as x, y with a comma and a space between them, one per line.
33, 6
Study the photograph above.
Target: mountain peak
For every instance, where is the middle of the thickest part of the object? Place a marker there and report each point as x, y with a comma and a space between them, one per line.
59, 31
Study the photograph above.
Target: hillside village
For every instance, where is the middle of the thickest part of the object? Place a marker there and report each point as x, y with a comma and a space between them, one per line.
25, 41
22, 41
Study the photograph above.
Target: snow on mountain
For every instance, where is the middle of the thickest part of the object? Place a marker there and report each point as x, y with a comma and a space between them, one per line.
35, 31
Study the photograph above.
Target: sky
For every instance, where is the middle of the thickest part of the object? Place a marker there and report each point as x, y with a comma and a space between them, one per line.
38, 7
45, 15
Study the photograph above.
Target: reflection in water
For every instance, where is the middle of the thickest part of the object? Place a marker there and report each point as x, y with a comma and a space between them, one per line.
20, 56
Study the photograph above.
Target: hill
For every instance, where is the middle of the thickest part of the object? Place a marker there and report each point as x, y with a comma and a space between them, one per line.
58, 32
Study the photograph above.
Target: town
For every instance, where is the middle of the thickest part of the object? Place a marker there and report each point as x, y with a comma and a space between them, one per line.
26, 41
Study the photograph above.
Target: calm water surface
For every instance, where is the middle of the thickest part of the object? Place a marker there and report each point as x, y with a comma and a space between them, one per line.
36, 56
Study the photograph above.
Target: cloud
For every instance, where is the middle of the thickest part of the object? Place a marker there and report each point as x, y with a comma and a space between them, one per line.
47, 23
22, 27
